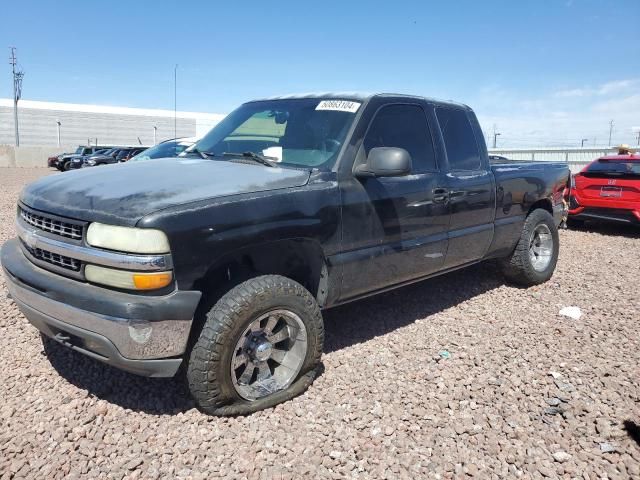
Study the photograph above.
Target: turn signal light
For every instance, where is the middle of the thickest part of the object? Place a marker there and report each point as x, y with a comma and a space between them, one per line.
126, 279
151, 281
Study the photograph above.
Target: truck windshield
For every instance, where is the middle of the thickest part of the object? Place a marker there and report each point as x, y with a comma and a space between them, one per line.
613, 168
79, 150
294, 132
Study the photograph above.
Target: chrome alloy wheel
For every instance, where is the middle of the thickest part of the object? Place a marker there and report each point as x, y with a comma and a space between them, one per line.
541, 248
269, 354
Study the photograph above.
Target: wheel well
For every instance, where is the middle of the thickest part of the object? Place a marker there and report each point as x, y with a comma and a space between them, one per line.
543, 203
301, 260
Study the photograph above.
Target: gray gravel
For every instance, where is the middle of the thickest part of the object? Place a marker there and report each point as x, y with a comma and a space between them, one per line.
523, 393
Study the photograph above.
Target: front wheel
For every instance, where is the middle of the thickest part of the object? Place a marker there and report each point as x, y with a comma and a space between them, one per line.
534, 259
260, 346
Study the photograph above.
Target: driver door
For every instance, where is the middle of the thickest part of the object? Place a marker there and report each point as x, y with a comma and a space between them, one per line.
394, 228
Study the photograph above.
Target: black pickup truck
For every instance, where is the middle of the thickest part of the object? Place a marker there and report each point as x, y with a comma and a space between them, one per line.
222, 261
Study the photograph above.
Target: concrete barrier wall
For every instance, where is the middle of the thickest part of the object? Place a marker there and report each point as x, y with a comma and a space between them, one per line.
576, 158
11, 156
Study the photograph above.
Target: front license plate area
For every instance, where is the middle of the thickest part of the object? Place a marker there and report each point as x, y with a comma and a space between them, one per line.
614, 192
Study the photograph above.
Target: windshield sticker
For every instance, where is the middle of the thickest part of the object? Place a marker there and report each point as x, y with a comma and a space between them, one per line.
339, 106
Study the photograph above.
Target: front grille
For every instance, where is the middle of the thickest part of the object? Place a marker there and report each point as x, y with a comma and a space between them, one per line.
55, 259
51, 225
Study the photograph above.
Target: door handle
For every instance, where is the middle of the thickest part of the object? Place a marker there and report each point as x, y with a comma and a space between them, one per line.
440, 195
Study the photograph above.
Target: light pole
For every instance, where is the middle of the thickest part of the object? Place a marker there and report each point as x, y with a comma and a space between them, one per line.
495, 139
58, 128
175, 101
155, 131
582, 142
610, 131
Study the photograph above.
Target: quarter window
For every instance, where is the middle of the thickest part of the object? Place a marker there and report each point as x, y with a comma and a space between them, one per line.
403, 126
459, 139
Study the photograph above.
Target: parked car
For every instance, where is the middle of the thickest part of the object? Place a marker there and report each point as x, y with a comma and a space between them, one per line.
64, 160
126, 153
166, 149
608, 189
53, 161
223, 260
105, 158
78, 161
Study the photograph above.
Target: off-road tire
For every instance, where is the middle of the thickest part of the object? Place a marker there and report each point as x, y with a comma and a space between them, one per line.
517, 267
66, 166
209, 367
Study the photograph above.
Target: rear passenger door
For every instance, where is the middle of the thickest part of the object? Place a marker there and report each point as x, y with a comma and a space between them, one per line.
470, 187
394, 228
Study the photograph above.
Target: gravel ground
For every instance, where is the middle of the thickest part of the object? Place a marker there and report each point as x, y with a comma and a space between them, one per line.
453, 377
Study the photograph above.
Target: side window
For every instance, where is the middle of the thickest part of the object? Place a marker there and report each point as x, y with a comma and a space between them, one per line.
459, 139
403, 126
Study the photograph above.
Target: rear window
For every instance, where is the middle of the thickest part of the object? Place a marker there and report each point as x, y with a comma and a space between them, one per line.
459, 139
613, 168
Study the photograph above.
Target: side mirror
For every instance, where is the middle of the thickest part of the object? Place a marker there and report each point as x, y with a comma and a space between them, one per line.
385, 162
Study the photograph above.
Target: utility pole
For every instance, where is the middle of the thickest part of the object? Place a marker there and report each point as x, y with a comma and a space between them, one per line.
638, 138
175, 101
155, 137
17, 90
58, 125
582, 142
610, 131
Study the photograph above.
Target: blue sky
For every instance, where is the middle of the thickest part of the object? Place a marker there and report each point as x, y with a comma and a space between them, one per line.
546, 71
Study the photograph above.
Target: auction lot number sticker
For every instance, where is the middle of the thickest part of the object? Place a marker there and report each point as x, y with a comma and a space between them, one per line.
339, 106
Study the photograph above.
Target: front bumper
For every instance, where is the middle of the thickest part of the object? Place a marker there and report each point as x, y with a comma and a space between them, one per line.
141, 334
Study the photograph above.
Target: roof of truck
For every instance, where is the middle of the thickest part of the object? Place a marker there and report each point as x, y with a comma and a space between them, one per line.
356, 97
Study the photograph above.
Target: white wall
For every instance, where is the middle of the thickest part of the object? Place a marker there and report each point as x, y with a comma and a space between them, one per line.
11, 156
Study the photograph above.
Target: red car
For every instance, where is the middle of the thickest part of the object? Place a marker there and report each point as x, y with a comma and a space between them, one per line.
607, 189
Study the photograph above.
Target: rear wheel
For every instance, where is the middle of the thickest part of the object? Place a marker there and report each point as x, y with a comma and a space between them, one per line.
534, 259
66, 166
260, 345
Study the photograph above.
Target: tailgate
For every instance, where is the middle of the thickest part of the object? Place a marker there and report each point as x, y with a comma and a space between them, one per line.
603, 188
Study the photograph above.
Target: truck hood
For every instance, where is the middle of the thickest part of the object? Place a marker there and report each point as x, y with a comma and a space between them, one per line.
122, 194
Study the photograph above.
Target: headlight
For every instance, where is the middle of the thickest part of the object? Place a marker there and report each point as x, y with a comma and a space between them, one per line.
91, 162
127, 280
127, 239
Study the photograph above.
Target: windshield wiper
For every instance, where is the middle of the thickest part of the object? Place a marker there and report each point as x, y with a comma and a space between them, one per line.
204, 155
256, 157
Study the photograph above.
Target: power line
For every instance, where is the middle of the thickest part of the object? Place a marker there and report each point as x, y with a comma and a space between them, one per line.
18, 75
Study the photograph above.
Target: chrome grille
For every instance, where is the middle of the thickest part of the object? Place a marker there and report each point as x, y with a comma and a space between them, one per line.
58, 227
55, 259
